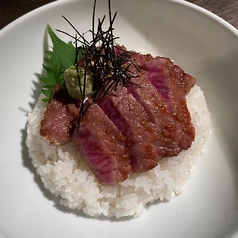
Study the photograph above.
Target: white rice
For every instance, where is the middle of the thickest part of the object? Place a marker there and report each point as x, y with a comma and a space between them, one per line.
65, 174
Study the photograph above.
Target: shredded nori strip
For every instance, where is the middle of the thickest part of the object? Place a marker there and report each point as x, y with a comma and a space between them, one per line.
106, 62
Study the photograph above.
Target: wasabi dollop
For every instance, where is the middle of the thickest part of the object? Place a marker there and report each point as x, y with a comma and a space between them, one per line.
72, 82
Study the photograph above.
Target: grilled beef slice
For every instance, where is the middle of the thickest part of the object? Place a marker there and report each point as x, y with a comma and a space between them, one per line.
154, 105
103, 146
60, 118
173, 84
162, 90
133, 122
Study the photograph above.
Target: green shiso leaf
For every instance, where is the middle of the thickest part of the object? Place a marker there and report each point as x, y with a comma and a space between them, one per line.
61, 57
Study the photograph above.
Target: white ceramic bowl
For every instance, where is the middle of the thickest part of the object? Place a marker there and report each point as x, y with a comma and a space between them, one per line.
203, 44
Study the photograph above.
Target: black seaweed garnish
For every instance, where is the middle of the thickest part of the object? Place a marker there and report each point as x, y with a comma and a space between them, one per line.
106, 62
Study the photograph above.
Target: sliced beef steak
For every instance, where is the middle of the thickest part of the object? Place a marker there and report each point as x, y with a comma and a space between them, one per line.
162, 90
133, 122
173, 84
155, 106
103, 146
60, 118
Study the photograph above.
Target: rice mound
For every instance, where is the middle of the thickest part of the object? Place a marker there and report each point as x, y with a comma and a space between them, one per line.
65, 174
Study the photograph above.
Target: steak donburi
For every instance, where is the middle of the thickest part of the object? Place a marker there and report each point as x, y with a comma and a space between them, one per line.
134, 126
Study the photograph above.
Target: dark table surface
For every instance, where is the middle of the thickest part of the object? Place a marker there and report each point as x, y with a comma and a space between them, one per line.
12, 9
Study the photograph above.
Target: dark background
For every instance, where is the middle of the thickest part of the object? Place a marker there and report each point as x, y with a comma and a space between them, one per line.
12, 9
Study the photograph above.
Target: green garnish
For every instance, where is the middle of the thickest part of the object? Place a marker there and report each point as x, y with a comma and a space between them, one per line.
60, 58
